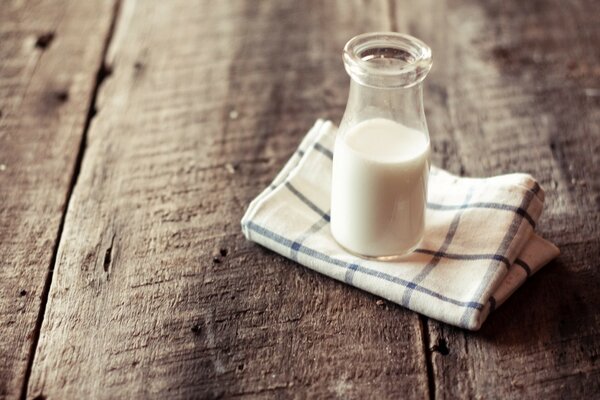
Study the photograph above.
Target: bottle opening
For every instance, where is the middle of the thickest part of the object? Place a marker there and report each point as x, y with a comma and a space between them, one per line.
387, 59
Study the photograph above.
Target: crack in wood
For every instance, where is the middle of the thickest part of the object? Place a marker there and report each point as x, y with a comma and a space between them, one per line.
441, 347
100, 77
108, 255
44, 40
427, 354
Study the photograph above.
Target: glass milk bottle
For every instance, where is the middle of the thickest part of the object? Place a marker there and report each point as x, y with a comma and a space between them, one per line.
381, 155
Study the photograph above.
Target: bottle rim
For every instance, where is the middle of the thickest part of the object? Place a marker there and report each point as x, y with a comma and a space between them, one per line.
387, 59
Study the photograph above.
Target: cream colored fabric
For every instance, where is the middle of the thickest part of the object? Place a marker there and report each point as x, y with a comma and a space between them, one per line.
479, 245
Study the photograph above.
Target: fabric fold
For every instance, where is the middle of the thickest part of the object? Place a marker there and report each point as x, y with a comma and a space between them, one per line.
480, 243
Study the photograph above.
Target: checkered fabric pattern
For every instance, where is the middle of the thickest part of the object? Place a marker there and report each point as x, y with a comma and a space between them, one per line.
479, 244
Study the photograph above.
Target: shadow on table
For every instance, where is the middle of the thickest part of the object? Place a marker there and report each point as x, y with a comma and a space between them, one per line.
551, 304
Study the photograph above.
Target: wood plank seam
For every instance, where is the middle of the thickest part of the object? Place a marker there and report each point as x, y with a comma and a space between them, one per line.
423, 324
103, 72
230, 328
428, 355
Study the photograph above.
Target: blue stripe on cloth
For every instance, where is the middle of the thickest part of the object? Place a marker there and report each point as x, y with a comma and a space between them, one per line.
328, 153
306, 201
442, 254
300, 154
350, 273
506, 241
437, 256
339, 263
523, 265
497, 206
314, 228
441, 207
454, 256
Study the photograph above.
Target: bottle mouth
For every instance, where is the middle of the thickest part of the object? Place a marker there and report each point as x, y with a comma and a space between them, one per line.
387, 59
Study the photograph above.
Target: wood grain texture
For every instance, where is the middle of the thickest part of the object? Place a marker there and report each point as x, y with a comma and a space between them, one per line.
514, 88
49, 55
156, 293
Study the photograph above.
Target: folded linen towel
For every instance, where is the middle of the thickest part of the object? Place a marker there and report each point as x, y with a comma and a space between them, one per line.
479, 244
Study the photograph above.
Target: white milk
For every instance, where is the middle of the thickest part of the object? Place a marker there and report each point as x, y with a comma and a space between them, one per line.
379, 188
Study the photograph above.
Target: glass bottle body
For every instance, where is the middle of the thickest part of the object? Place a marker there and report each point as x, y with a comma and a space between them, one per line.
381, 155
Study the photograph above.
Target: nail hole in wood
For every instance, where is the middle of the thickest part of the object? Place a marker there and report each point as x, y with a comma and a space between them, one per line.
107, 259
223, 252
501, 53
62, 96
104, 72
44, 40
196, 329
441, 347
23, 292
216, 260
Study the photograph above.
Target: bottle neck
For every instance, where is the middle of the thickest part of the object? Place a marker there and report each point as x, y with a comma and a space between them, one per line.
400, 104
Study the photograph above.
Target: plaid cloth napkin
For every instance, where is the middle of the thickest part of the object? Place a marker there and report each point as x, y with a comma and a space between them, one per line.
479, 244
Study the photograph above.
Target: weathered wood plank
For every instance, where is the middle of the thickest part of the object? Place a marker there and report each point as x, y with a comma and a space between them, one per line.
50, 52
514, 88
156, 293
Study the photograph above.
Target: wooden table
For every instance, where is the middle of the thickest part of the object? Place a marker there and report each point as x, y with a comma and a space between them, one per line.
134, 134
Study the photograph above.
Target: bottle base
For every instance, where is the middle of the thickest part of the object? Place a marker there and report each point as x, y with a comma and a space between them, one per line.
385, 258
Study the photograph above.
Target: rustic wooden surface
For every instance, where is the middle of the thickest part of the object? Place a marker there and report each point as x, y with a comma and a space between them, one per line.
518, 90
50, 53
158, 133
